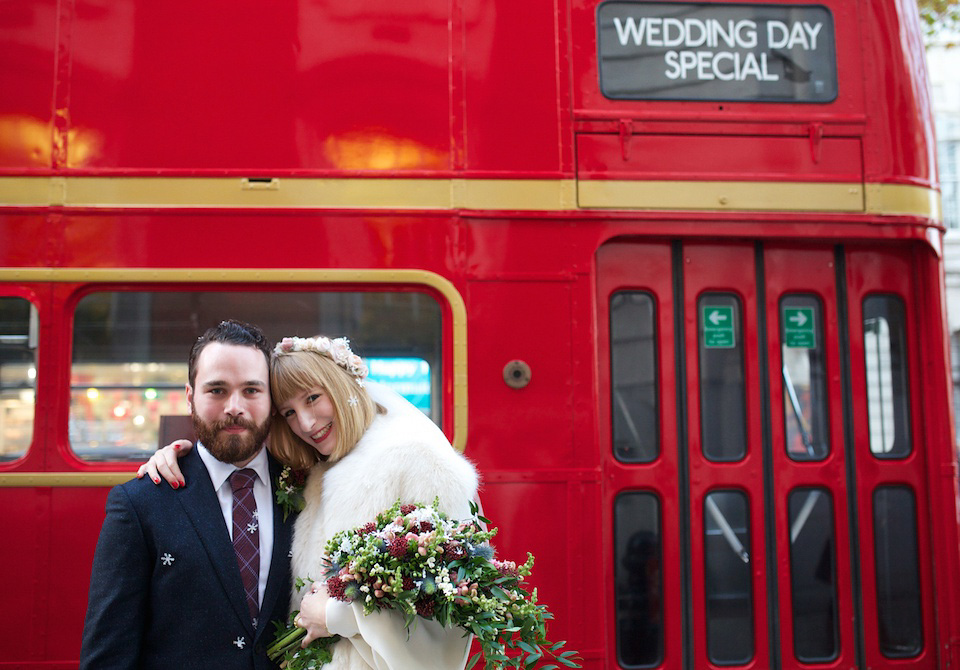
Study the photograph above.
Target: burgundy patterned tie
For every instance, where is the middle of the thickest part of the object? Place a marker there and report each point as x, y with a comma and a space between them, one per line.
246, 535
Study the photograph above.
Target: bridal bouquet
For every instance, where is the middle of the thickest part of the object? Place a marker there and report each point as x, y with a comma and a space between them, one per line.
417, 562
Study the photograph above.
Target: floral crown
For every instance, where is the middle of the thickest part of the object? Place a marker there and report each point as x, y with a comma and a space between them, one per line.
337, 350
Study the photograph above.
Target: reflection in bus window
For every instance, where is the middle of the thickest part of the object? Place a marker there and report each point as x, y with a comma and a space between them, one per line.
899, 615
804, 378
409, 376
729, 588
813, 578
723, 412
18, 376
633, 375
888, 401
639, 580
130, 352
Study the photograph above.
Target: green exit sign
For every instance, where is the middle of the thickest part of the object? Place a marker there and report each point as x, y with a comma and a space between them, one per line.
717, 325
799, 328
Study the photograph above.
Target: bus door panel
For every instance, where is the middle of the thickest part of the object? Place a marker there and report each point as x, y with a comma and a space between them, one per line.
725, 460
888, 450
808, 457
638, 433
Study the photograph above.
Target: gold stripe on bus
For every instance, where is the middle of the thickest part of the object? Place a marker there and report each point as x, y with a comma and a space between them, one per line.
63, 479
904, 199
721, 195
425, 278
546, 195
288, 193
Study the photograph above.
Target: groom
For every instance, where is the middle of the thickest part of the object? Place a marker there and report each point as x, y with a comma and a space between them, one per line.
192, 577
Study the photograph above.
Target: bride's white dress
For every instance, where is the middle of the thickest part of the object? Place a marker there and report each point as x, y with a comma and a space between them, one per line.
403, 455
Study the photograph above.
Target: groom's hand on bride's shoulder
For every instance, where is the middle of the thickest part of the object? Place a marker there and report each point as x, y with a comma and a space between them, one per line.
164, 464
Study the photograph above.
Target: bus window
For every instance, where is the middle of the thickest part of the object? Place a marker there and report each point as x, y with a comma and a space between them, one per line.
633, 377
885, 353
729, 588
813, 578
804, 378
130, 352
18, 376
639, 581
723, 413
899, 616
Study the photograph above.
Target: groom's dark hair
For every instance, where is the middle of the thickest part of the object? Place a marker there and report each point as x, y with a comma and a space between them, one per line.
230, 331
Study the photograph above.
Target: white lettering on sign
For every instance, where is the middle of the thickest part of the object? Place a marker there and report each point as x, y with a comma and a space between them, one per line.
692, 34
689, 33
800, 34
722, 65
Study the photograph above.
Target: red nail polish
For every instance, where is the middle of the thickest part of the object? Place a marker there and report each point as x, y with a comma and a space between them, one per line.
175, 485
176, 447
156, 480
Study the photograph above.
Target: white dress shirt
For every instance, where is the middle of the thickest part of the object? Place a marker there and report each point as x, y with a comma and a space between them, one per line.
220, 476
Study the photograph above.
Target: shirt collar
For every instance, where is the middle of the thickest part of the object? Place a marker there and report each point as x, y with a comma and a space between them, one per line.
220, 471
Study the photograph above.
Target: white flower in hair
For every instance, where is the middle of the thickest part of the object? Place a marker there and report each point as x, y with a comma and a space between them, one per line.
337, 350
340, 351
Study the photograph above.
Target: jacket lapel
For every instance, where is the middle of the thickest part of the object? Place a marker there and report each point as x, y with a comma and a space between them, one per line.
279, 580
200, 504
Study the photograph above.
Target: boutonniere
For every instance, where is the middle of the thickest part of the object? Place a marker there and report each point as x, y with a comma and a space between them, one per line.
289, 490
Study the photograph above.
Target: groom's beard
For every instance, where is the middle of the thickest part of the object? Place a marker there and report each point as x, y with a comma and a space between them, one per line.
227, 447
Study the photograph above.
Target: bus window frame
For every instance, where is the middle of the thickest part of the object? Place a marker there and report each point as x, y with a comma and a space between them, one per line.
75, 283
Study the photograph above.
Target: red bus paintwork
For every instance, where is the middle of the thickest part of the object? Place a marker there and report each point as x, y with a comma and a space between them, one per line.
485, 90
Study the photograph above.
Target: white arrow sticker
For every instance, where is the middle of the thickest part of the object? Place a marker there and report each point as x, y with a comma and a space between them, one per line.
716, 317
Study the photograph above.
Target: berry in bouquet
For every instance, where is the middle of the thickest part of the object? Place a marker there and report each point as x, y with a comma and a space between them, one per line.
417, 562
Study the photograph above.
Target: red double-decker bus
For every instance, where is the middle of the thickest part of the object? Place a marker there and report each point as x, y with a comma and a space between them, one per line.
670, 273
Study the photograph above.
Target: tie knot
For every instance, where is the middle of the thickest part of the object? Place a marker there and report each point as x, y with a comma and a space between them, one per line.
242, 479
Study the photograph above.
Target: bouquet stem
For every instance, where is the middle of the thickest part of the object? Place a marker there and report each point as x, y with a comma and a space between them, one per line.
286, 649
287, 641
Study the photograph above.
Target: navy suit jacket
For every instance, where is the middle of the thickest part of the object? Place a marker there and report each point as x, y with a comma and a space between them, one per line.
166, 591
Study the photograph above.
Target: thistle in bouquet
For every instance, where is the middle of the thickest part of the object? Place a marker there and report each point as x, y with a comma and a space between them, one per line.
414, 560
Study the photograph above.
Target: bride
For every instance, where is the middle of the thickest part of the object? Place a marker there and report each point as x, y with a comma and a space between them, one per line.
366, 447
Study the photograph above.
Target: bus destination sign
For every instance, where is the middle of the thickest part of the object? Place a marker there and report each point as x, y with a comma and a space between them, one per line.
723, 52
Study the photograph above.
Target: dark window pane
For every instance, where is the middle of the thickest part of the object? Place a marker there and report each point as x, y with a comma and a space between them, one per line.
723, 414
729, 589
639, 581
804, 378
130, 352
18, 376
899, 616
888, 398
633, 377
813, 578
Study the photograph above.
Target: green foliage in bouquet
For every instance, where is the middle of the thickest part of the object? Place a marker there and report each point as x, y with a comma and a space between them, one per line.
417, 562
